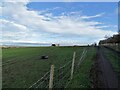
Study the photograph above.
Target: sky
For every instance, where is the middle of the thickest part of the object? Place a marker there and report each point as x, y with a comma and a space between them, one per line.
67, 23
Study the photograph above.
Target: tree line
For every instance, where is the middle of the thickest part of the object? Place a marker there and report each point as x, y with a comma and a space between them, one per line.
115, 39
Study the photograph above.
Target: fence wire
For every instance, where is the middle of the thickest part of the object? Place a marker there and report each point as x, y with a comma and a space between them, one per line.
61, 77
43, 82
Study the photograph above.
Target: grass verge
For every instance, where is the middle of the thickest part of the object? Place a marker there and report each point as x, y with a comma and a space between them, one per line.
81, 78
114, 60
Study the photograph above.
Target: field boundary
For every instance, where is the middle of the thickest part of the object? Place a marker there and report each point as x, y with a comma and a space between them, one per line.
62, 76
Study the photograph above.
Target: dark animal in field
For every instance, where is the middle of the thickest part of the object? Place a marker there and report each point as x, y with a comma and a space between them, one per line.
44, 57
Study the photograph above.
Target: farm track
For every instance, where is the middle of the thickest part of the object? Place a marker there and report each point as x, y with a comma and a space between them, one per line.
107, 77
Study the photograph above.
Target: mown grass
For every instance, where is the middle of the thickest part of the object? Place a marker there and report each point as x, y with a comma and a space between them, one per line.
81, 78
23, 66
114, 59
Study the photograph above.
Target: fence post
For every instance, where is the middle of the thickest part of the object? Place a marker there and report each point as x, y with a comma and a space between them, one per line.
81, 57
72, 69
51, 77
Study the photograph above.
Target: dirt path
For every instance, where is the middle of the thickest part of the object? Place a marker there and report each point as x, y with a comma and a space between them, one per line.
106, 76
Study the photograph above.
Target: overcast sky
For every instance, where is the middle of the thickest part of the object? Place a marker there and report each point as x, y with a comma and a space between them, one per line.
55, 22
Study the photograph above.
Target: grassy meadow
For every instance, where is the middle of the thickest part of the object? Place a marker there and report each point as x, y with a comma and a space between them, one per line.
21, 67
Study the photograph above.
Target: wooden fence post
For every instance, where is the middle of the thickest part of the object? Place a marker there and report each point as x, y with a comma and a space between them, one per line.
72, 69
51, 77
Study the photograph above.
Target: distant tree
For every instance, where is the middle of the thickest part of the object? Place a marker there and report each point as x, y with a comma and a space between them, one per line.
107, 36
111, 40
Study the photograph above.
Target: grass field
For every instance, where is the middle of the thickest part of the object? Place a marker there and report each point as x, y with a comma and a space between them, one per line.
24, 66
117, 47
114, 59
82, 78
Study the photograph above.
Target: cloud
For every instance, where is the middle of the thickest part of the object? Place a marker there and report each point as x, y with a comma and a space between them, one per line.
95, 16
21, 24
13, 31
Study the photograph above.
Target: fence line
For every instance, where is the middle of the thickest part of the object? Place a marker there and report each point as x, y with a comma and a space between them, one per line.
82, 56
51, 76
62, 76
33, 86
72, 69
80, 61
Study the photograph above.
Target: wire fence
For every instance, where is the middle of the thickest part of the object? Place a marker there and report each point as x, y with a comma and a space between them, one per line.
61, 76
43, 82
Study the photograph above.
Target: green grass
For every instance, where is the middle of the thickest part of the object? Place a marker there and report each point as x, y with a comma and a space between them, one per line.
0, 55
114, 60
81, 78
115, 47
23, 66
